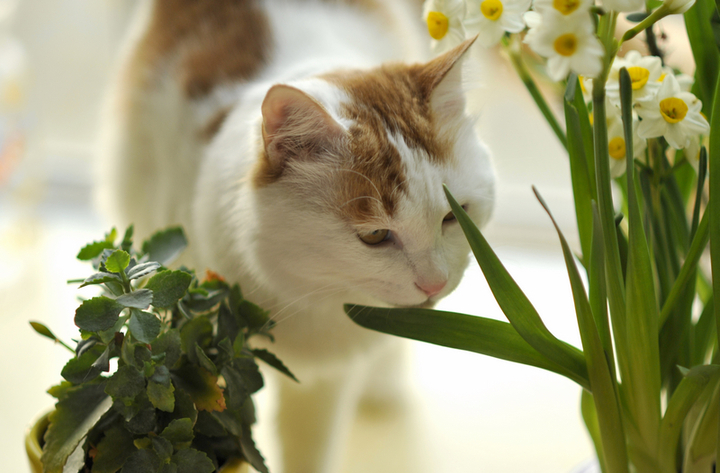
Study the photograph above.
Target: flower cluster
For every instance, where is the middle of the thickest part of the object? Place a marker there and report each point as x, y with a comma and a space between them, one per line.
564, 32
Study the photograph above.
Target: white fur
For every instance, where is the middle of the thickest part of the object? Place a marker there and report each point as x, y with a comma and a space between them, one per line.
291, 255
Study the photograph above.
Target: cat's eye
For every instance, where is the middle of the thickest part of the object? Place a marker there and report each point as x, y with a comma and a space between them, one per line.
374, 237
450, 217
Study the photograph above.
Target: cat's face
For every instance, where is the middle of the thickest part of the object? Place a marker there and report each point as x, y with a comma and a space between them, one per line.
352, 179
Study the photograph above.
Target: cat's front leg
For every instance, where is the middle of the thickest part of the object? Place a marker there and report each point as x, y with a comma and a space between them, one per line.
315, 418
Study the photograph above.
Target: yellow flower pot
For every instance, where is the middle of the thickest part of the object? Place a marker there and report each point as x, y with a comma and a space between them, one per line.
33, 448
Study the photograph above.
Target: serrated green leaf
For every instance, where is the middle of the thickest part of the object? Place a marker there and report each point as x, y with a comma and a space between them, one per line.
117, 261
97, 314
256, 317
162, 447
243, 378
143, 422
197, 331
93, 250
209, 425
100, 278
138, 299
143, 269
170, 344
273, 361
189, 460
70, 422
113, 450
126, 383
184, 407
165, 246
204, 361
251, 452
60, 390
142, 461
144, 326
126, 243
168, 287
161, 396
201, 386
79, 370
179, 432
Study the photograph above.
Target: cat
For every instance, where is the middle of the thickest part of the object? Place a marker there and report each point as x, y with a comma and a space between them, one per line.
303, 148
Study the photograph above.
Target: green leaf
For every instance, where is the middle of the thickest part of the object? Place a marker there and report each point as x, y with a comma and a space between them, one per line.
81, 369
126, 243
144, 326
118, 261
464, 332
204, 361
168, 287
70, 423
142, 461
170, 344
201, 386
641, 370
705, 51
179, 432
93, 250
243, 379
250, 452
513, 302
189, 460
98, 313
100, 278
113, 450
138, 299
161, 396
46, 332
273, 361
143, 269
602, 382
126, 383
197, 331
256, 317
162, 447
678, 407
165, 246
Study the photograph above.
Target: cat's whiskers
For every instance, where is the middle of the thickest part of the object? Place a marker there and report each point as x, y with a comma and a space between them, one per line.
362, 197
300, 298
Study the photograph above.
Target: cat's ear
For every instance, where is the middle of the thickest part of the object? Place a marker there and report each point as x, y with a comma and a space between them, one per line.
443, 83
295, 126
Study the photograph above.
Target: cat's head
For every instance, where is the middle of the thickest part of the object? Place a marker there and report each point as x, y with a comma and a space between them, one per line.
350, 181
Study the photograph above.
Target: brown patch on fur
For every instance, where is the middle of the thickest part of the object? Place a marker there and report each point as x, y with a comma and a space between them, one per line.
212, 127
213, 41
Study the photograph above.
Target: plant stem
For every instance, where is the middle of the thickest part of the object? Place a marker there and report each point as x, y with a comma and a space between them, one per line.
656, 15
513, 50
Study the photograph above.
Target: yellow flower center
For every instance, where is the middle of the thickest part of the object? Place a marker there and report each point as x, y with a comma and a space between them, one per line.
673, 109
639, 76
616, 147
492, 9
566, 6
437, 25
566, 44
662, 77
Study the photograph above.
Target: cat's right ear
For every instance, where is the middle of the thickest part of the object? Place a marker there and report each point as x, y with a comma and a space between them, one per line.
295, 126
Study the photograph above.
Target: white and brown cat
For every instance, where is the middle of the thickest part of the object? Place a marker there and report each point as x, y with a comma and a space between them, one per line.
307, 165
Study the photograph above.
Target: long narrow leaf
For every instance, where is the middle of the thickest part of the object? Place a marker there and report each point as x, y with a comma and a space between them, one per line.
598, 293
705, 52
643, 351
678, 407
602, 383
581, 183
464, 332
513, 302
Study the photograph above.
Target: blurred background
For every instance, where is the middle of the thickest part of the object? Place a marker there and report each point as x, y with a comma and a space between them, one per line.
476, 414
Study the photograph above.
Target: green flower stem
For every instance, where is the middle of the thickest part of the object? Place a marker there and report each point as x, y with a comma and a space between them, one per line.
661, 12
513, 50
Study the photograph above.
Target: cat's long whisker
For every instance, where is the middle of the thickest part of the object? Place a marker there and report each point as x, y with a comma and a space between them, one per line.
290, 304
362, 197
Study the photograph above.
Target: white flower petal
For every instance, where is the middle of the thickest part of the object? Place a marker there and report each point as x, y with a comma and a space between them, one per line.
652, 127
675, 136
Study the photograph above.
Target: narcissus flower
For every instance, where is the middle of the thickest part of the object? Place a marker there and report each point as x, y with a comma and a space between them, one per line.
490, 19
616, 146
565, 7
673, 114
678, 6
444, 19
568, 42
644, 73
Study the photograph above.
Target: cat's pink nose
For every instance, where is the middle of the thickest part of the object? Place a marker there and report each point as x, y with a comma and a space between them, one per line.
431, 289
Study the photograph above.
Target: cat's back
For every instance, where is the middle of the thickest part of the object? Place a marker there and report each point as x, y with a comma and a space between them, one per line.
187, 63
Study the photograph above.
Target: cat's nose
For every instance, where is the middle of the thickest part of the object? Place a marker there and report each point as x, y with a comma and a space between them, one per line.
431, 289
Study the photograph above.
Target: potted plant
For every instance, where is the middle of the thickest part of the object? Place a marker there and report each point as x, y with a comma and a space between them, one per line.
649, 367
178, 395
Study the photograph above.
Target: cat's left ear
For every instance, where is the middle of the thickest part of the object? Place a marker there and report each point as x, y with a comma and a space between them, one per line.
442, 82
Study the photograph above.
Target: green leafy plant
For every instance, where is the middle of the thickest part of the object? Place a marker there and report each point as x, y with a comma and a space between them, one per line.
650, 360
179, 399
